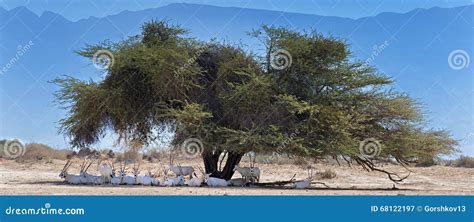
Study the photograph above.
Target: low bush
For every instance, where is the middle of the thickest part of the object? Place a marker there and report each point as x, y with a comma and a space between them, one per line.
462, 161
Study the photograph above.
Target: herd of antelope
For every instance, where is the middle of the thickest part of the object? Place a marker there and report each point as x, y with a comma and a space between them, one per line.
124, 176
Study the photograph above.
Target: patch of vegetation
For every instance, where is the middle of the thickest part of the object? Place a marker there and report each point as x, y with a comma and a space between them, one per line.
39, 152
426, 162
154, 155
328, 174
462, 161
306, 96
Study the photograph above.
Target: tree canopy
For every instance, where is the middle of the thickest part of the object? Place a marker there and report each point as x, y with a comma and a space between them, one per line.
305, 85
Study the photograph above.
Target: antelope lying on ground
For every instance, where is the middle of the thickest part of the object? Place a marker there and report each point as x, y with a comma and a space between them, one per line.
117, 180
172, 181
306, 183
215, 182
149, 180
237, 182
132, 180
197, 181
69, 178
87, 178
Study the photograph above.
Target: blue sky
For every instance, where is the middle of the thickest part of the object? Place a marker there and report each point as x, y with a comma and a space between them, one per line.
77, 9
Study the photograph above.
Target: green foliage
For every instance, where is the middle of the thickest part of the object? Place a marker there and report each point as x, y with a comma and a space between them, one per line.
238, 102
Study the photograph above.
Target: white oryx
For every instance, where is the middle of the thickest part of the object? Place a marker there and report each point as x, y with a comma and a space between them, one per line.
179, 170
237, 182
306, 183
249, 174
215, 182
87, 178
131, 180
149, 179
172, 181
106, 171
118, 179
197, 181
69, 178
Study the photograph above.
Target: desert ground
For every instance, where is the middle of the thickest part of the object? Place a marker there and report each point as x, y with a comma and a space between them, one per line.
41, 178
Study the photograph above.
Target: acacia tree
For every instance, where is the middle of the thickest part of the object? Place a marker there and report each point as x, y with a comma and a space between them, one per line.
236, 102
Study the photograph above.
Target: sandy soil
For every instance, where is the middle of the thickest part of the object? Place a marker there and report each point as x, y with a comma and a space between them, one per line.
42, 179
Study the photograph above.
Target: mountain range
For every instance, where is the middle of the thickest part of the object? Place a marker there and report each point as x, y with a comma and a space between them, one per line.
426, 51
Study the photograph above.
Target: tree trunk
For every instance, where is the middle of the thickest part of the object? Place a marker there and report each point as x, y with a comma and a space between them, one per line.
211, 161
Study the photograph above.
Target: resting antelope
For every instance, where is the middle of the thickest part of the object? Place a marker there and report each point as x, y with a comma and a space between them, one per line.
306, 183
132, 180
149, 179
117, 180
85, 177
215, 182
237, 182
197, 181
173, 181
69, 178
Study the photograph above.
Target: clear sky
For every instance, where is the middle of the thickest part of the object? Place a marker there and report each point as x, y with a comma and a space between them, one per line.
77, 9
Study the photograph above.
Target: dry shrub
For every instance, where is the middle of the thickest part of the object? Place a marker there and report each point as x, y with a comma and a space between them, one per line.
41, 152
300, 161
327, 174
108, 153
462, 161
154, 155
426, 162
129, 155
